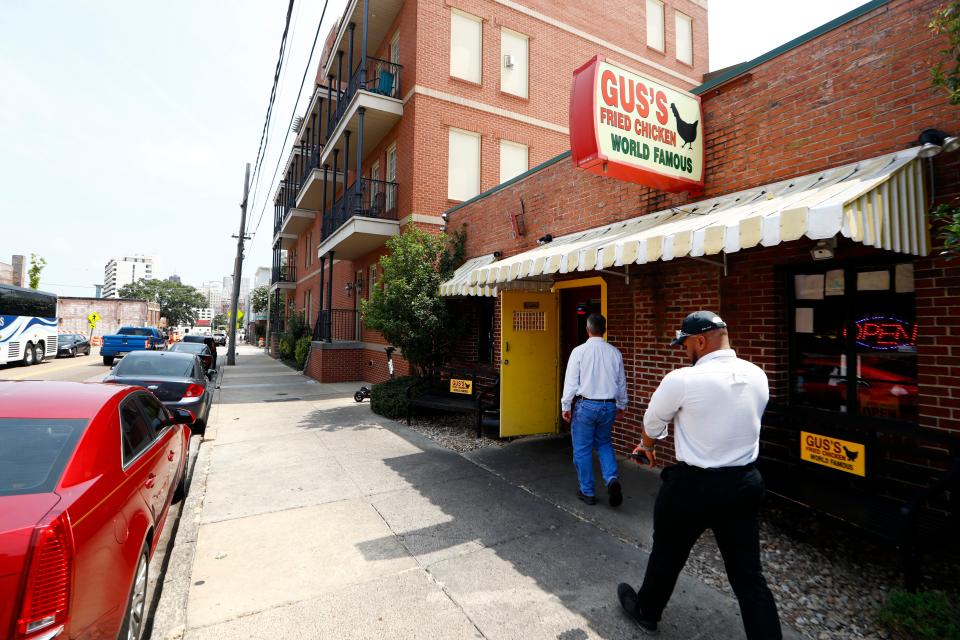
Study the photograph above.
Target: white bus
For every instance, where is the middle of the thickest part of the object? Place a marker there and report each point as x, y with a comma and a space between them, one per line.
28, 325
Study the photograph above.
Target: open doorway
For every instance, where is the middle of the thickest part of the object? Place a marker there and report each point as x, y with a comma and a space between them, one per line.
575, 305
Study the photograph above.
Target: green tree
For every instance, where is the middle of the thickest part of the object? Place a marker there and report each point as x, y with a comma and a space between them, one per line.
946, 71
408, 311
219, 320
177, 301
260, 298
36, 266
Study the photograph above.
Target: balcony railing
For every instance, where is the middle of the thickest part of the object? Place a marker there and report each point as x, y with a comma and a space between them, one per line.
336, 325
285, 273
365, 197
378, 76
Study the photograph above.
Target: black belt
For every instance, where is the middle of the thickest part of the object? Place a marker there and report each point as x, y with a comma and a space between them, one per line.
690, 467
605, 400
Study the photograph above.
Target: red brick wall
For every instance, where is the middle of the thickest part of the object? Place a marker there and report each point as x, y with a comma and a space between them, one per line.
334, 365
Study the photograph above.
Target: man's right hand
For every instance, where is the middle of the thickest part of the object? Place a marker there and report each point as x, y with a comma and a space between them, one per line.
566, 416
640, 452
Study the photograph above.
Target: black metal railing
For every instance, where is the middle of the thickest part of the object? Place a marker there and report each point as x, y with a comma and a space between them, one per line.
366, 198
285, 273
337, 325
378, 76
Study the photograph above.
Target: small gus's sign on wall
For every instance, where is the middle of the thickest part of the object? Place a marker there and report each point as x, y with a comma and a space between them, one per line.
630, 127
461, 386
841, 455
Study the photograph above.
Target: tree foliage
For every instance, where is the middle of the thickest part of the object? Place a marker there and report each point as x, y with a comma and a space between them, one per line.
408, 311
948, 229
36, 266
259, 298
177, 301
946, 71
219, 320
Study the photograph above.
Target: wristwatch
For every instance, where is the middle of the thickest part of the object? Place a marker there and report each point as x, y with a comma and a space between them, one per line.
645, 447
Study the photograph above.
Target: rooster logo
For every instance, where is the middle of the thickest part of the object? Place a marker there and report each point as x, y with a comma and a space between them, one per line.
687, 131
851, 455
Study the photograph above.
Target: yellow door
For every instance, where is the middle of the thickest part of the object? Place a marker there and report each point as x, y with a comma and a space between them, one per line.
529, 402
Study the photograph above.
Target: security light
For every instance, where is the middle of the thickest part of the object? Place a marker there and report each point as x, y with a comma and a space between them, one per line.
545, 239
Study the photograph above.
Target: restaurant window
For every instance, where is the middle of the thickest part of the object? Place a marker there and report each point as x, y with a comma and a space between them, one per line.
463, 165
683, 40
466, 34
514, 50
655, 25
513, 159
854, 340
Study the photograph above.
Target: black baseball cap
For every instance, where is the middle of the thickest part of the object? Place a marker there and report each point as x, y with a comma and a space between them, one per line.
696, 323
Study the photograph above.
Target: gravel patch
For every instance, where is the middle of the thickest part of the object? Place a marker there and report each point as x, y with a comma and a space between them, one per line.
453, 431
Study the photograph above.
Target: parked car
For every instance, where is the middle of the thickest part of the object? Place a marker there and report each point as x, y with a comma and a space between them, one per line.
87, 476
178, 380
207, 340
220, 338
72, 344
128, 339
198, 349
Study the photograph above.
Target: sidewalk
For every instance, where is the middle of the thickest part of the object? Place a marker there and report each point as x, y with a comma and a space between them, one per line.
311, 517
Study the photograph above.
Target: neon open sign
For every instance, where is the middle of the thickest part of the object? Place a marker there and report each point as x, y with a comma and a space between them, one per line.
885, 333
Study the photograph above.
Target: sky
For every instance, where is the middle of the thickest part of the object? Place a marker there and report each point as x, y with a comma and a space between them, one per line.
125, 126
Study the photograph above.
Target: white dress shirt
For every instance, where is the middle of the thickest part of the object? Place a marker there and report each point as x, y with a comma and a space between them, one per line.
715, 407
595, 371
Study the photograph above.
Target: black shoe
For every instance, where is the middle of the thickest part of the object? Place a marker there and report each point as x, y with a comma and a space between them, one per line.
586, 498
615, 493
628, 600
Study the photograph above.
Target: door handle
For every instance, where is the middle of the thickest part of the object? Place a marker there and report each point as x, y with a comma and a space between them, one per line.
506, 362
171, 456
150, 481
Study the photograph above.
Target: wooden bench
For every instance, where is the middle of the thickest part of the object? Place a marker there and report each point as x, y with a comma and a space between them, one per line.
909, 497
455, 390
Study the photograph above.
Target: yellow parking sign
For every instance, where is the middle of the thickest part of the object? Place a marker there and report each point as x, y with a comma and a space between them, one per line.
841, 455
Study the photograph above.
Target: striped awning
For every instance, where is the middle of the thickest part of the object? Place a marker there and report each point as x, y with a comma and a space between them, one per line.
459, 284
880, 202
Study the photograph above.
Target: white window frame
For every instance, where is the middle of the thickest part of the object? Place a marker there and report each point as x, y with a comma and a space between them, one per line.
520, 66
391, 176
395, 48
456, 72
515, 145
663, 25
467, 191
374, 180
680, 18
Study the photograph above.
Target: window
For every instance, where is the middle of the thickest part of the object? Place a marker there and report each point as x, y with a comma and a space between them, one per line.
307, 252
395, 48
155, 414
854, 340
391, 199
466, 35
373, 279
514, 64
135, 432
513, 159
463, 165
684, 37
655, 24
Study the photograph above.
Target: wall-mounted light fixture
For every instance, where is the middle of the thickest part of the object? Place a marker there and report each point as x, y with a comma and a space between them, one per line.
933, 141
545, 239
497, 254
348, 288
824, 249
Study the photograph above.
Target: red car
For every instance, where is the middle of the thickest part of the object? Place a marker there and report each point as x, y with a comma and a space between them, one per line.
87, 476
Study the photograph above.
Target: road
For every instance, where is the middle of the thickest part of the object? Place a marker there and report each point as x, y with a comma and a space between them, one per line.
91, 369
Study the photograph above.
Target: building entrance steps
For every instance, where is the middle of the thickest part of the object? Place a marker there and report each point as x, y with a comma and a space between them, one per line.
315, 518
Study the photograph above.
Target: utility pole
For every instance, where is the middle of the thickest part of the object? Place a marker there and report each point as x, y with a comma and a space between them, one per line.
237, 272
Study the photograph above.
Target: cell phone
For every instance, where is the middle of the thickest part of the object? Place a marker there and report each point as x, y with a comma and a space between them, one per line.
641, 456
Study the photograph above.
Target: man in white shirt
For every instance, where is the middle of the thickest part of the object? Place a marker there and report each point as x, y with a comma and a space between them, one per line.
715, 407
596, 380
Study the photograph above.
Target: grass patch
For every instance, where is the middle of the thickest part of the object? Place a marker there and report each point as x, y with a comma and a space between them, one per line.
926, 615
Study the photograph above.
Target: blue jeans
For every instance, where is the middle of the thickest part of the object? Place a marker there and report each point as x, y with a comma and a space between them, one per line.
591, 429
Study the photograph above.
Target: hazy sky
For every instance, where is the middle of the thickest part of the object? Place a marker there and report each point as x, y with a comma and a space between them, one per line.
125, 124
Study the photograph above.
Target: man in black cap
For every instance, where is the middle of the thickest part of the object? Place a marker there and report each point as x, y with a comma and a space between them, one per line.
715, 406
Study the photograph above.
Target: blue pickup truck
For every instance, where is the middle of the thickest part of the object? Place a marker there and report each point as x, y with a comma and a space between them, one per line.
128, 339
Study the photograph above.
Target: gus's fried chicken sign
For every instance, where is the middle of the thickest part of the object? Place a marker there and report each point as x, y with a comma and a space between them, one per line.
627, 126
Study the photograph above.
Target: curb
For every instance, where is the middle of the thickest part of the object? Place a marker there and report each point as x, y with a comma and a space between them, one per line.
170, 617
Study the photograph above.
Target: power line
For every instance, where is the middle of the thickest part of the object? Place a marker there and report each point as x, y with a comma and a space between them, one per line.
293, 113
264, 135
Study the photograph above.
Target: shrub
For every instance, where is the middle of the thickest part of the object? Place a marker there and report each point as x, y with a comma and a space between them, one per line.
926, 614
303, 348
286, 347
389, 399
297, 328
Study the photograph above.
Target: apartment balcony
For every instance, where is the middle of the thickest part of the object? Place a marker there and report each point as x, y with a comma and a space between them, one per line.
284, 277
366, 110
337, 325
361, 220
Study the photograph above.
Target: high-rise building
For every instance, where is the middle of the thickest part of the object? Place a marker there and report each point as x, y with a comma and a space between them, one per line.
175, 278
122, 271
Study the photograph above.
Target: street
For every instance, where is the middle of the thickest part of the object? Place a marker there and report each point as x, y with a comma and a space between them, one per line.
91, 369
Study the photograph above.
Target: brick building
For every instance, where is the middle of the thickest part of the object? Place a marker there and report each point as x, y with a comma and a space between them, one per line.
812, 227
114, 313
420, 105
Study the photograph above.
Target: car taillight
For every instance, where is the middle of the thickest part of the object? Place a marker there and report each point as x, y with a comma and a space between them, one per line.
46, 601
193, 391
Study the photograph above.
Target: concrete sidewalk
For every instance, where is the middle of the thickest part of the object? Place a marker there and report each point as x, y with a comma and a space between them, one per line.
311, 517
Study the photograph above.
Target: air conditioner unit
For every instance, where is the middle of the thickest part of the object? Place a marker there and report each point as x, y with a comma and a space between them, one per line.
508, 61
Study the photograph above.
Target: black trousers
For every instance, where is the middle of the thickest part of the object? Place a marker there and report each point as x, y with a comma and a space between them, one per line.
727, 501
